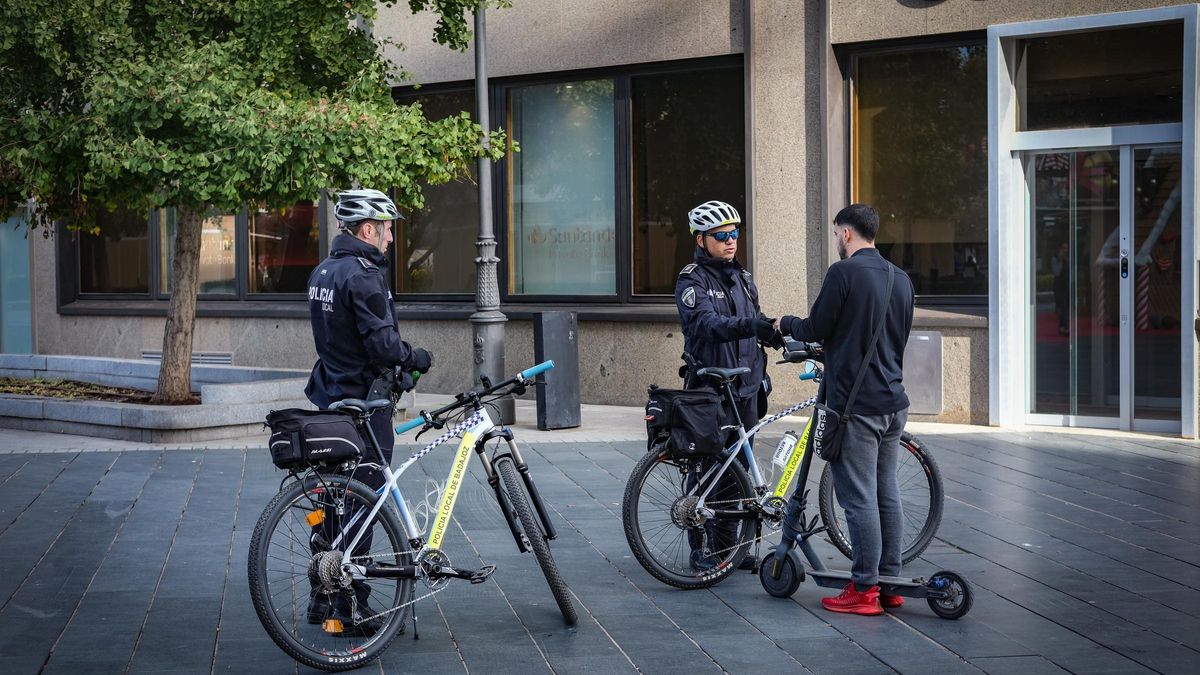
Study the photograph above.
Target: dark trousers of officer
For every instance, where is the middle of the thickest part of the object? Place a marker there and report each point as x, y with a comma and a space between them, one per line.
381, 426
719, 536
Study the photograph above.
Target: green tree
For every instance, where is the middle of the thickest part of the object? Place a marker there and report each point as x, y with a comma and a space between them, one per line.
209, 105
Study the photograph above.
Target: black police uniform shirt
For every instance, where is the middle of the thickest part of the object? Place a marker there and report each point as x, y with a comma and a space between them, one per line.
353, 322
718, 302
844, 317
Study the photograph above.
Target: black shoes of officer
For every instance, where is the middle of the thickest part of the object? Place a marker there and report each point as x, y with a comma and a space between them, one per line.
354, 623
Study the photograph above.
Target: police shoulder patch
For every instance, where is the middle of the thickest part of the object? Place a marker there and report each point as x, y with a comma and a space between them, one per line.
689, 296
367, 264
687, 269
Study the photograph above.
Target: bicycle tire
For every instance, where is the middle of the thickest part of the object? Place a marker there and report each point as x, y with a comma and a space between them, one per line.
288, 628
515, 489
930, 490
644, 551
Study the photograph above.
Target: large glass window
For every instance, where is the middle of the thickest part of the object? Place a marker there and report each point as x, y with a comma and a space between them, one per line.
688, 147
435, 245
562, 208
920, 157
592, 209
216, 252
1102, 78
117, 260
285, 246
598, 196
241, 255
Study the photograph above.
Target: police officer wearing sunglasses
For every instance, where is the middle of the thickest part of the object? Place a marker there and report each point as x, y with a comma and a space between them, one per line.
719, 310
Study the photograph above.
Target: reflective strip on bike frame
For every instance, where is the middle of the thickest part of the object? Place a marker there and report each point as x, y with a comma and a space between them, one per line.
789, 471
453, 482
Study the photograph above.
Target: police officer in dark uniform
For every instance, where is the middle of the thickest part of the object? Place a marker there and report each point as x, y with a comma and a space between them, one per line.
357, 339
722, 322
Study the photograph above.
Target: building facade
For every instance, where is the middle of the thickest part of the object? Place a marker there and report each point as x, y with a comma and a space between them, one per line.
1033, 163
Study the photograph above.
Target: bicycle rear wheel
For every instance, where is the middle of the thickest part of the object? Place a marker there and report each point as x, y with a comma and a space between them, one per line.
669, 537
921, 496
310, 608
515, 490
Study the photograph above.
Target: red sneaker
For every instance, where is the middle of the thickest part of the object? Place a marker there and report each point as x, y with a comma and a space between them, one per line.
853, 601
890, 601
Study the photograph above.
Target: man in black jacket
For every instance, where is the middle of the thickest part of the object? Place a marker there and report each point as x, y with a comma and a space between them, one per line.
357, 339
722, 323
844, 317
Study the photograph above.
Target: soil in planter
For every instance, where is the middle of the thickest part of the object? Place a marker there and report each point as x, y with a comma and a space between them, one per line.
70, 389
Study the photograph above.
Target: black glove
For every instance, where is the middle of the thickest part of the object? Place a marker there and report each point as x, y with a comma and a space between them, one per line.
764, 329
421, 360
785, 324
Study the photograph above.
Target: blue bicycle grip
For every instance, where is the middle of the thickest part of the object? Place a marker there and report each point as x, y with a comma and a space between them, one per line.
411, 424
530, 373
808, 376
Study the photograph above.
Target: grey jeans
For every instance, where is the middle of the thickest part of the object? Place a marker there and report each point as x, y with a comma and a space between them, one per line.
864, 479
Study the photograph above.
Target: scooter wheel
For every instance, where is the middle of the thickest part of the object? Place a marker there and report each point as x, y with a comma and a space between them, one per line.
958, 596
779, 579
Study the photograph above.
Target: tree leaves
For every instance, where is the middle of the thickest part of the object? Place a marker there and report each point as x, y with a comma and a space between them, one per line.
213, 105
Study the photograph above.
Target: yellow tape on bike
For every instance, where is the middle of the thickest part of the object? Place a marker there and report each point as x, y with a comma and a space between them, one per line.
457, 471
789, 471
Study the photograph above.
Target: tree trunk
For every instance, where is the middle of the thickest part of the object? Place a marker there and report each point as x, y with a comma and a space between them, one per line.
175, 374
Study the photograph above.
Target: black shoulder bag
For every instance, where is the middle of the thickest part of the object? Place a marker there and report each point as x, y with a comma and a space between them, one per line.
829, 428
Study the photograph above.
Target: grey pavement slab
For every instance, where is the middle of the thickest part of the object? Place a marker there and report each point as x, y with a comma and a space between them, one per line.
1083, 551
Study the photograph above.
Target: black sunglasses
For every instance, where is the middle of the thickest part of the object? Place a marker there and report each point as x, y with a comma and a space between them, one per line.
724, 236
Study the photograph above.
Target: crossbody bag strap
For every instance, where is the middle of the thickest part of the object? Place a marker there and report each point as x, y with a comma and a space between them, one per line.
870, 356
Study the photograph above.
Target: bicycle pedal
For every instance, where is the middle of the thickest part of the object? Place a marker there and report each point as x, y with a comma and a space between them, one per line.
481, 575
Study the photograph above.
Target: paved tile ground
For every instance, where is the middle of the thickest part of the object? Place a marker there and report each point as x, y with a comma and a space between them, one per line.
1084, 552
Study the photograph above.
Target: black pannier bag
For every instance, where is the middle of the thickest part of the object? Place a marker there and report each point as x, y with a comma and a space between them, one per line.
688, 421
305, 437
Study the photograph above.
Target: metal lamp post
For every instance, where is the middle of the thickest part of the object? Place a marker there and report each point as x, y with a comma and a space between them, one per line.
487, 323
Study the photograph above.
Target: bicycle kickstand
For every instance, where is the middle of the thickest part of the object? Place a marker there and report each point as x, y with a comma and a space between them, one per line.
412, 599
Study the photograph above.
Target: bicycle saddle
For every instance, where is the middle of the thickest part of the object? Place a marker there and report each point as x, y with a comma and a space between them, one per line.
723, 373
357, 405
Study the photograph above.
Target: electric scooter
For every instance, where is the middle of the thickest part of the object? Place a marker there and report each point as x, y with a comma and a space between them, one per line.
782, 570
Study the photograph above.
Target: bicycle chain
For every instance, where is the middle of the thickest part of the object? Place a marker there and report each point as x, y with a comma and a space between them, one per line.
453, 432
766, 422
748, 542
402, 605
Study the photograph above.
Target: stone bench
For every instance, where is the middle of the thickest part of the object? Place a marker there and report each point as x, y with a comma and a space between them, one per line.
234, 401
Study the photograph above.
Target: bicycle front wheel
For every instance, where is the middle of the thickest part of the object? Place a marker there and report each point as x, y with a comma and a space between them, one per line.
515, 491
310, 607
676, 542
921, 498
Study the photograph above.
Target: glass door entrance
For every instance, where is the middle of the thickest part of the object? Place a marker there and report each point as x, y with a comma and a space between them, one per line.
1104, 239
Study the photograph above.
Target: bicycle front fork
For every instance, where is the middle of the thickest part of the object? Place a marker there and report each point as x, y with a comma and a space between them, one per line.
548, 530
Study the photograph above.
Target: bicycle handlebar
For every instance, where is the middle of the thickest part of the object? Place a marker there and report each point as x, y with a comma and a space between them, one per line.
411, 424
530, 373
473, 396
795, 351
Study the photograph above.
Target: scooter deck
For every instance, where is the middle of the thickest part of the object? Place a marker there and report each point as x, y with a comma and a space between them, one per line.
912, 588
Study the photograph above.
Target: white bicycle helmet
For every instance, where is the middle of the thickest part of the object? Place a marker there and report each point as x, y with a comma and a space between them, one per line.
357, 205
712, 214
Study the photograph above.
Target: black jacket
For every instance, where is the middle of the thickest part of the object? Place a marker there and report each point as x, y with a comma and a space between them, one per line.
844, 317
353, 322
717, 302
